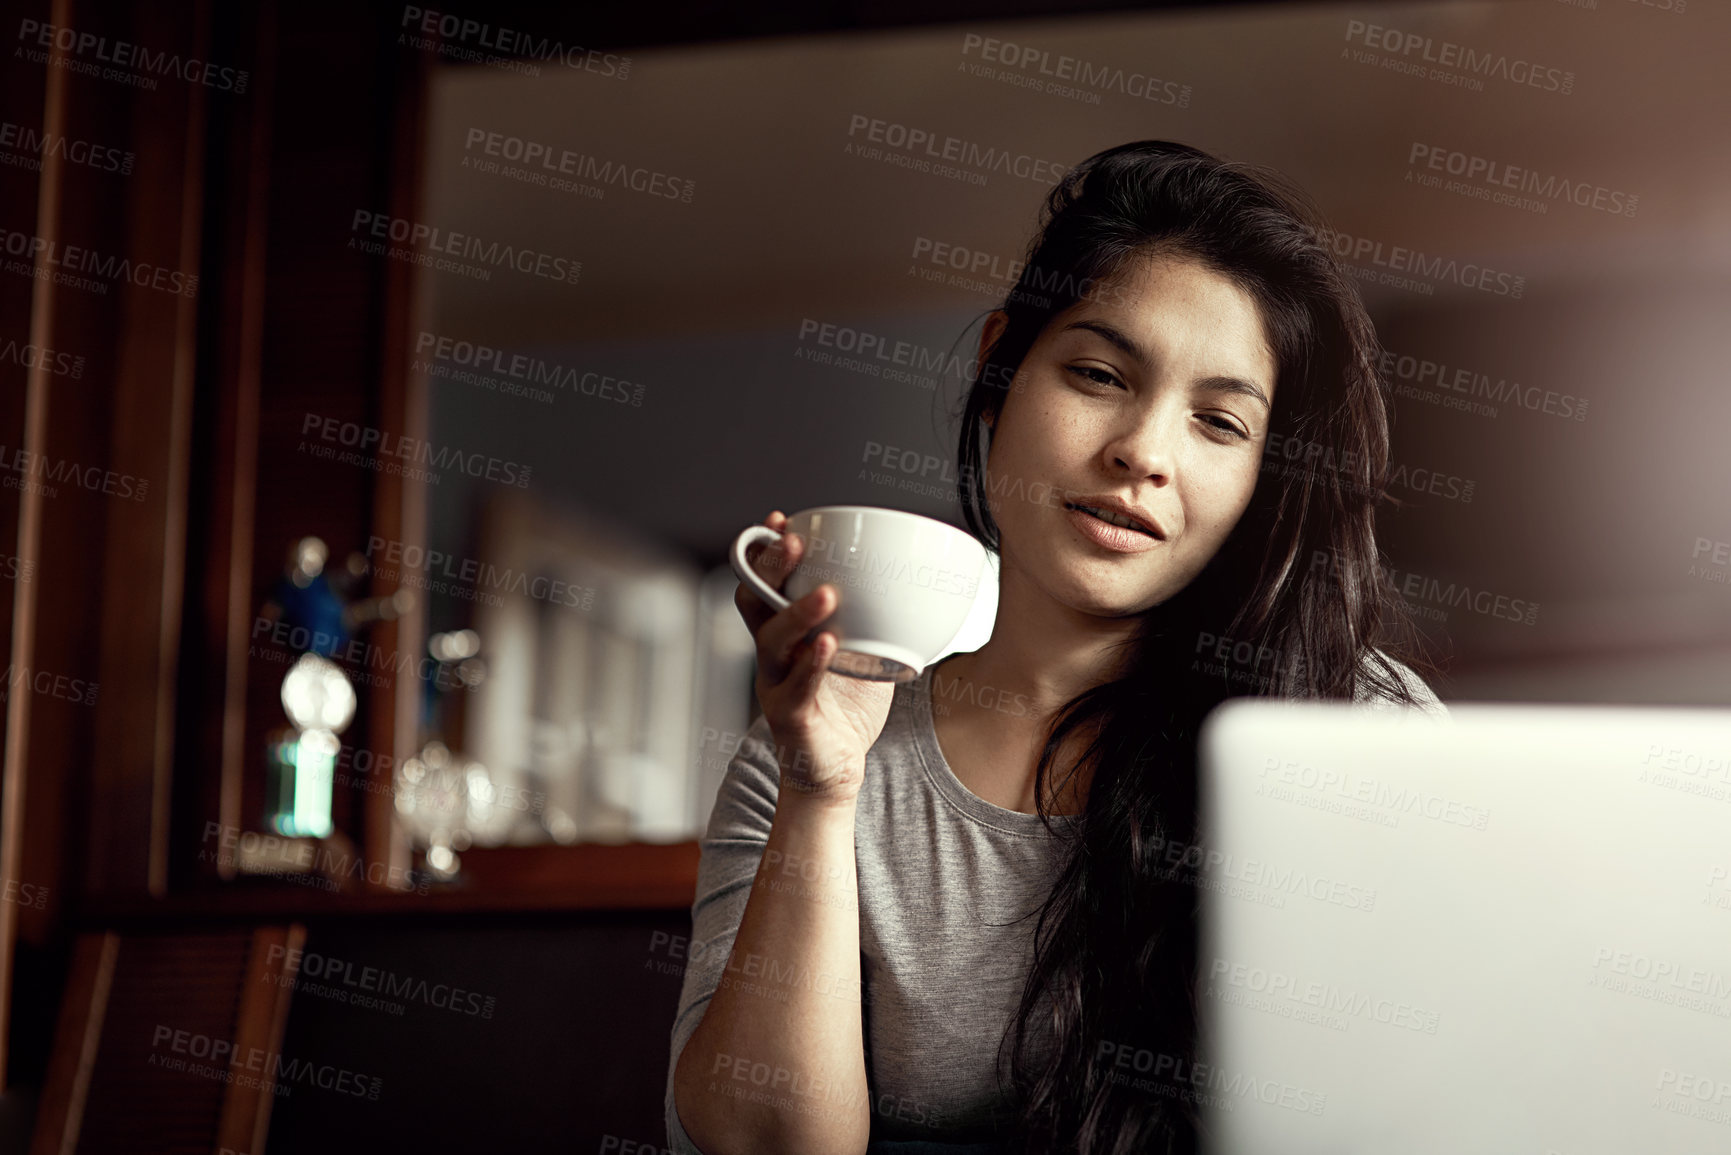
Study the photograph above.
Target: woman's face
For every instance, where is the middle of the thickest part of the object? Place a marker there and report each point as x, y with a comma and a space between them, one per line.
1157, 394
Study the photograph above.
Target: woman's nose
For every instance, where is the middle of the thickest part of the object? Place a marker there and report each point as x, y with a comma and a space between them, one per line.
1147, 446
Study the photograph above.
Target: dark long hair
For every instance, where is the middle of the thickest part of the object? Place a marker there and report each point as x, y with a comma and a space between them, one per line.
1294, 604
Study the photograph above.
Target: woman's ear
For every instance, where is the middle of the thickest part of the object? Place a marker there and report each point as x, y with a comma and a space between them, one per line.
990, 333
994, 327
996, 322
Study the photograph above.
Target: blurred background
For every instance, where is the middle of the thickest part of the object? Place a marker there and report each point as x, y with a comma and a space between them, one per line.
382, 386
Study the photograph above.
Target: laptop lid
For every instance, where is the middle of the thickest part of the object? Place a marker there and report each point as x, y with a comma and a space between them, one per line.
1505, 930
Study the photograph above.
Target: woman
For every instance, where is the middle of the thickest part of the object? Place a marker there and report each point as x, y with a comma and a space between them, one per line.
935, 913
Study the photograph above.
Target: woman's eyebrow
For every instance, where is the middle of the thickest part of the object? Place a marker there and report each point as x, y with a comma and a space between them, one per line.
1129, 346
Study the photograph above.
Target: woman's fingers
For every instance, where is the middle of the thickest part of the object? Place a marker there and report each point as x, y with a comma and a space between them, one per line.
771, 561
787, 651
779, 557
797, 693
782, 634
816, 665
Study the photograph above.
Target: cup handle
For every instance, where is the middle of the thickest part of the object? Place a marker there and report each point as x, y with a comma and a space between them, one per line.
749, 576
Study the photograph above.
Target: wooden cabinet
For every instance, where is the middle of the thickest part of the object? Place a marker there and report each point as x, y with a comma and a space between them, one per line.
186, 425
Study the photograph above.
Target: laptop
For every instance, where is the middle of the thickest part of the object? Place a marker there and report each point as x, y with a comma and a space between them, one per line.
1507, 930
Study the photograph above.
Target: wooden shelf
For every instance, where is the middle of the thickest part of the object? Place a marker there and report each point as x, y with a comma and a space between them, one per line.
583, 877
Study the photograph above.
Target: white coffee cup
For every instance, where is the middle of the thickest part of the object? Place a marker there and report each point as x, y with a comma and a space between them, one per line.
905, 582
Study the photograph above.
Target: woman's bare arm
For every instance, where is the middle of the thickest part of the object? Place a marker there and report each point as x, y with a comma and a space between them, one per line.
777, 1063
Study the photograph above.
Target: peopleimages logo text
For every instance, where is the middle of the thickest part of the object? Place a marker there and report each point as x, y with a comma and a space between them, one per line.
556, 160
94, 478
37, 143
933, 145
79, 259
1083, 73
1486, 171
1356, 250
475, 573
512, 42
126, 55
380, 980
1448, 54
485, 359
432, 239
381, 443
28, 356
231, 1062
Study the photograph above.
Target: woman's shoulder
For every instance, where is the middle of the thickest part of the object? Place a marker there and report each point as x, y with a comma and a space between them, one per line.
1370, 693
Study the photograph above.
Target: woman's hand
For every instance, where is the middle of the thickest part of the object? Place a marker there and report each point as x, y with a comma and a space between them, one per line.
822, 723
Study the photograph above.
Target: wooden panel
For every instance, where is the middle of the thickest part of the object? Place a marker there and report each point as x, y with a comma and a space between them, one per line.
156, 1087
631, 876
151, 407
23, 653
400, 506
67, 1087
263, 1016
213, 676
153, 1031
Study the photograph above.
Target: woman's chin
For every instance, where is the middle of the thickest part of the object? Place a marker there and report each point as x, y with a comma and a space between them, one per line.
1110, 599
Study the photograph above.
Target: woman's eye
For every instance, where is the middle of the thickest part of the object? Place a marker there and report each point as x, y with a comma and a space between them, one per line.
1096, 375
1224, 426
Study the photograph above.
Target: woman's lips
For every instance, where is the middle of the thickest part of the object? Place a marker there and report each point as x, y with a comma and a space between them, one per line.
1113, 537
